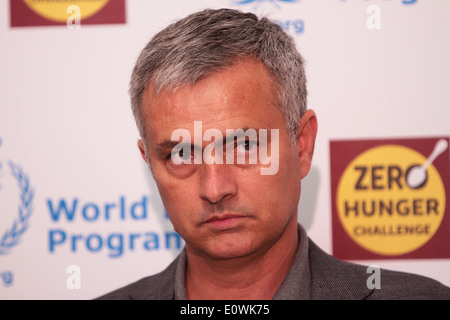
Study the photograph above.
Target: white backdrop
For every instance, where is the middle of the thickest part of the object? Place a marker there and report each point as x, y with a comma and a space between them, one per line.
65, 121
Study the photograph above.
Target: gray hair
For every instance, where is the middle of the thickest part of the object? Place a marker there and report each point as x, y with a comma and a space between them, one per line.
208, 41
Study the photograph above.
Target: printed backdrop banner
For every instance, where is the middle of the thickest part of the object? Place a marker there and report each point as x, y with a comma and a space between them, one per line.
80, 214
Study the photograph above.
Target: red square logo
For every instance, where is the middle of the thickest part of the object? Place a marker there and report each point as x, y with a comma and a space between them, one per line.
390, 198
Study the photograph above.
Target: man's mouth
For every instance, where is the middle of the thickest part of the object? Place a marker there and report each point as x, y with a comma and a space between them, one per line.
224, 221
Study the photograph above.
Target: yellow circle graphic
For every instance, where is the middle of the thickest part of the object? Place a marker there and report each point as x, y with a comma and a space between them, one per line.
57, 10
380, 211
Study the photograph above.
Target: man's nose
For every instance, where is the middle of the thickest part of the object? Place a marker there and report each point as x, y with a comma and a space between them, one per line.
217, 182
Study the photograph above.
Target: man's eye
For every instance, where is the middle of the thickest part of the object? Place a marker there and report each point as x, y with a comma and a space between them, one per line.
246, 145
181, 156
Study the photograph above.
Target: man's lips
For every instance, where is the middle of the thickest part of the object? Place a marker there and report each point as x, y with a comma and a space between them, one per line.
224, 221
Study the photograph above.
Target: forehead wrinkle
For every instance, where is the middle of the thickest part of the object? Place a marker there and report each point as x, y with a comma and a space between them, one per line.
208, 93
212, 102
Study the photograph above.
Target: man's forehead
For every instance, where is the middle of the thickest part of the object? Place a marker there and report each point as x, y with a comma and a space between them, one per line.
248, 72
239, 96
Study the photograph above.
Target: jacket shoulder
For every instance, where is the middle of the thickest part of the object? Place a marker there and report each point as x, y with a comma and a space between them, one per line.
396, 285
156, 287
333, 279
336, 279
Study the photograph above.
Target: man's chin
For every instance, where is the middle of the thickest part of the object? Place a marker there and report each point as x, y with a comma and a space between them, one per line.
229, 248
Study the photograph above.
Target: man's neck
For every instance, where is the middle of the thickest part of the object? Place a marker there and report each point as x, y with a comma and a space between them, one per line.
255, 277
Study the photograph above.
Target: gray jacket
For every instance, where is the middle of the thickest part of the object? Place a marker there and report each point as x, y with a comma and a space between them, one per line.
330, 278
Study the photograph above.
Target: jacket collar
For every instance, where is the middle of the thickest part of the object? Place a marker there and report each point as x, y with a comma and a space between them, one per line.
314, 274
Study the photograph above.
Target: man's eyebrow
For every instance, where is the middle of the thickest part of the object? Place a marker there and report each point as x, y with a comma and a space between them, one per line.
168, 145
165, 146
239, 133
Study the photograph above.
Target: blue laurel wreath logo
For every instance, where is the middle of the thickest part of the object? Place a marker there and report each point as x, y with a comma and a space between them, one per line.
12, 236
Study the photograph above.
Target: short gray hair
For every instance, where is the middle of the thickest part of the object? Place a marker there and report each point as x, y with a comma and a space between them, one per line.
210, 40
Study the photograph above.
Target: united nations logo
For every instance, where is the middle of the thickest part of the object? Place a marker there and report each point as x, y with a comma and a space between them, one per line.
22, 207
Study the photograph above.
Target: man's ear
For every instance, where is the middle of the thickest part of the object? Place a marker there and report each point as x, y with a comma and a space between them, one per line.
306, 137
142, 149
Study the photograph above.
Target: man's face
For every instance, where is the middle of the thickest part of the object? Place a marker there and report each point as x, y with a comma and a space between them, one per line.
224, 210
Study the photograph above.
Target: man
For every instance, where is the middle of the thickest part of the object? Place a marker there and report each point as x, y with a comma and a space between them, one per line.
206, 77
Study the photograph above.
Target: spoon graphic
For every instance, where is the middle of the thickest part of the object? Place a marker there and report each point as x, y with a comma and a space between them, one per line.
417, 175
